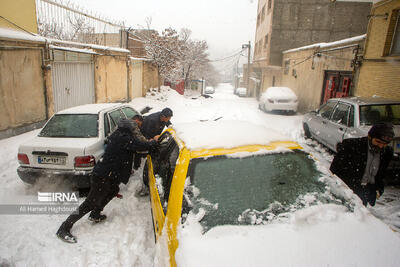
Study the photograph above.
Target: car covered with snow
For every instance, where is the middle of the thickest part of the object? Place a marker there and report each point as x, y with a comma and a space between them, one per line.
70, 143
222, 197
209, 90
241, 91
278, 99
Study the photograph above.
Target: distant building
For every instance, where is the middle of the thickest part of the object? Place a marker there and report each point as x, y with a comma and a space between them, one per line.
287, 24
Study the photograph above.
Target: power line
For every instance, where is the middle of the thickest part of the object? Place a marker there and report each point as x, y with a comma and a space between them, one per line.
228, 57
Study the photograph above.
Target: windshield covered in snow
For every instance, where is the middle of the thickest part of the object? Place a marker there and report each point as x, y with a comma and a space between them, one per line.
71, 125
252, 190
370, 114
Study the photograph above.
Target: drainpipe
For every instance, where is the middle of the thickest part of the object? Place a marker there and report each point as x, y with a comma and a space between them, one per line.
45, 68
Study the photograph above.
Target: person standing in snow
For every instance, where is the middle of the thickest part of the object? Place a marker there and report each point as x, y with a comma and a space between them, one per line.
108, 173
152, 127
362, 162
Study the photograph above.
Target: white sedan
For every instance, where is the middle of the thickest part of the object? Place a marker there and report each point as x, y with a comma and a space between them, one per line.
71, 143
279, 98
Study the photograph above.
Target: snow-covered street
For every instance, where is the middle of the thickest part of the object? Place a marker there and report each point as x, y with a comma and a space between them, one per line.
126, 237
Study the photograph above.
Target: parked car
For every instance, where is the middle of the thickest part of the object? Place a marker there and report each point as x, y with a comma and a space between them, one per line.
278, 98
209, 90
241, 91
350, 117
219, 199
70, 143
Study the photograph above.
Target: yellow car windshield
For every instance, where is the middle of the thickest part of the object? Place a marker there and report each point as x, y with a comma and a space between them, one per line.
252, 190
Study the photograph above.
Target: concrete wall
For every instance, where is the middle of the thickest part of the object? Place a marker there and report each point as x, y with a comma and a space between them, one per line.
150, 77
380, 71
22, 93
299, 23
111, 76
305, 74
19, 12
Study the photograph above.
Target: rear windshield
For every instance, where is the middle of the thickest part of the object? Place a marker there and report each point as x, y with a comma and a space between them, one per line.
371, 114
252, 190
71, 125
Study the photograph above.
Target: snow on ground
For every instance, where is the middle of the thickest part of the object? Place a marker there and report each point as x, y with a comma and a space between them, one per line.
126, 238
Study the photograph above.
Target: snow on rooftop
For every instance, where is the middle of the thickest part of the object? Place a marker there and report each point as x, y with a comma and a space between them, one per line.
6, 33
88, 109
73, 49
325, 45
225, 134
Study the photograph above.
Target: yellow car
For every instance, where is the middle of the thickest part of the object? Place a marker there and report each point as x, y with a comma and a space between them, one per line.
236, 182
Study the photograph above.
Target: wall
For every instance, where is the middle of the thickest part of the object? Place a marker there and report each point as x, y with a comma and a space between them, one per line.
299, 23
307, 80
110, 73
380, 72
22, 96
21, 13
150, 77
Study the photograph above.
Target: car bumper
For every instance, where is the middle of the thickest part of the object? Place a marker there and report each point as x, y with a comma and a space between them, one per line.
282, 106
80, 179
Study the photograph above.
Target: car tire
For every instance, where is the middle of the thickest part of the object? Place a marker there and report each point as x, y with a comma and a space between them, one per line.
307, 133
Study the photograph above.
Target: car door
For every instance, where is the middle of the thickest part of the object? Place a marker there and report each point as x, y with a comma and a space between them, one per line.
338, 125
319, 121
163, 163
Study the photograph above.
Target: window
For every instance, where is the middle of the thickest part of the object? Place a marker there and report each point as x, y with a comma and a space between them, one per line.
326, 110
341, 114
287, 66
266, 41
115, 117
233, 191
71, 125
164, 163
258, 20
395, 46
106, 125
129, 112
370, 114
269, 4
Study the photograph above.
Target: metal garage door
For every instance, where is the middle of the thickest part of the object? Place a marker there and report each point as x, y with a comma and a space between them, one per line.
73, 79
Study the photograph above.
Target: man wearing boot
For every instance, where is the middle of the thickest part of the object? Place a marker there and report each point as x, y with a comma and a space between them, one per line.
361, 162
108, 173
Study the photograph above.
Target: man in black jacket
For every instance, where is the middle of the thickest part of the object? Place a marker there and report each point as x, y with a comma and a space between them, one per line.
362, 162
108, 173
154, 124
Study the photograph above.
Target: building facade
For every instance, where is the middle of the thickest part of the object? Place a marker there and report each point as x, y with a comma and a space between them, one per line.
380, 69
287, 24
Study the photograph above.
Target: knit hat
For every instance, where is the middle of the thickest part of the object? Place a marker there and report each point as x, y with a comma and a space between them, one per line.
382, 130
167, 112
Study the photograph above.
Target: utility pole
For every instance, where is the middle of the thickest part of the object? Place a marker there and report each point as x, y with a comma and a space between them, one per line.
248, 46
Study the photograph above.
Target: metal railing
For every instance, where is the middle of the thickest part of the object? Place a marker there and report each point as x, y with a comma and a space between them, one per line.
66, 21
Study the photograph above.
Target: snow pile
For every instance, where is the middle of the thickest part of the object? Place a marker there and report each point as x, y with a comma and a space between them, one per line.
225, 134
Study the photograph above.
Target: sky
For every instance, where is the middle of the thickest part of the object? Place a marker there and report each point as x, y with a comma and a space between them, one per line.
224, 24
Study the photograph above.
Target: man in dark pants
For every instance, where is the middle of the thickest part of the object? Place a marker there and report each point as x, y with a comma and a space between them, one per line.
152, 127
362, 162
108, 173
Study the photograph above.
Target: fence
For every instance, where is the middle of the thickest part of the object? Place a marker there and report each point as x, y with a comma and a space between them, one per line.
66, 21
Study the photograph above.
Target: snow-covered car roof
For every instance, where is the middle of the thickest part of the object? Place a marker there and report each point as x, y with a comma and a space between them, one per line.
367, 100
279, 92
89, 108
225, 134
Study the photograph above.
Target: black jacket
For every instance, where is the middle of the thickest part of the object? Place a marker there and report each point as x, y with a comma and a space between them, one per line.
152, 125
116, 162
350, 162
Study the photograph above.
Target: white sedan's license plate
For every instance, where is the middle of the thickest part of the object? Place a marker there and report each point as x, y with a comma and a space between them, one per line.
51, 160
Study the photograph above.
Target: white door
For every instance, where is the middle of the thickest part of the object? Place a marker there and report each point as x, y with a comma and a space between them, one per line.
73, 80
